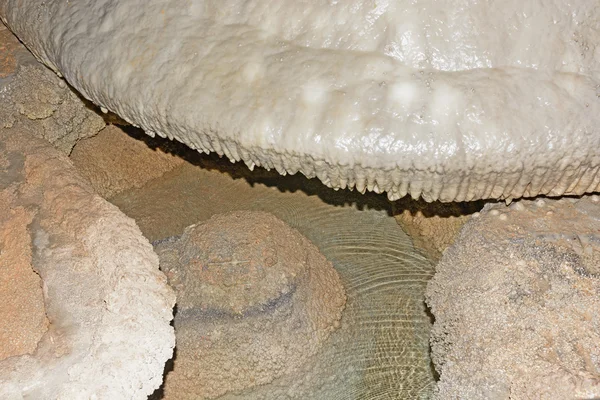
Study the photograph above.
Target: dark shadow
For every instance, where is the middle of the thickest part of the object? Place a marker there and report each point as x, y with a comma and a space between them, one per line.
437, 208
298, 182
289, 183
431, 317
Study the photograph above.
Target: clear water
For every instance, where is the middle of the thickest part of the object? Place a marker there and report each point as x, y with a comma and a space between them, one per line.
381, 350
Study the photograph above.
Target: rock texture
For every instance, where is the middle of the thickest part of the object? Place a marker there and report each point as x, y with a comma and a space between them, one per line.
516, 302
107, 305
22, 310
449, 100
114, 160
433, 227
35, 100
255, 300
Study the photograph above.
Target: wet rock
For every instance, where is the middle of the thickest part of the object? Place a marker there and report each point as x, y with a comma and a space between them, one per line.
255, 300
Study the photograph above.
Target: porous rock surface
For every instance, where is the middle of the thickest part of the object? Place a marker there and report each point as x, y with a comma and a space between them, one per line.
516, 302
449, 100
255, 300
35, 100
113, 160
107, 305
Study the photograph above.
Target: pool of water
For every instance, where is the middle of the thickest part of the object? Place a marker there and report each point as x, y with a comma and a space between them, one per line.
381, 349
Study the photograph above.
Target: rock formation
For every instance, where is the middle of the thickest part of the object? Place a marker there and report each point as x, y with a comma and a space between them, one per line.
22, 310
35, 100
441, 99
381, 348
447, 100
113, 161
86, 309
255, 300
517, 304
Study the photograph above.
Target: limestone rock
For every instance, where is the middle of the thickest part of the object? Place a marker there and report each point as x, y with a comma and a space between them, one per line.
35, 100
255, 300
107, 305
516, 302
455, 100
114, 161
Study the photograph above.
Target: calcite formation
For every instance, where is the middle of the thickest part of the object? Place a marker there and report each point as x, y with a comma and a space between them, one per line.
449, 100
91, 308
255, 300
517, 304
35, 100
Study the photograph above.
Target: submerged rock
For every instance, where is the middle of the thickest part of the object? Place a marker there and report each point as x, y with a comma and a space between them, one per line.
381, 349
255, 300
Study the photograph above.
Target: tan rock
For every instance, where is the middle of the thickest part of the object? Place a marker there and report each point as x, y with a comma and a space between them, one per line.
256, 300
22, 310
433, 227
8, 46
107, 305
37, 101
516, 302
115, 160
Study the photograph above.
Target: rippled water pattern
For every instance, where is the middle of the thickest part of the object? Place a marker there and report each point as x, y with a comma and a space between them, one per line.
381, 350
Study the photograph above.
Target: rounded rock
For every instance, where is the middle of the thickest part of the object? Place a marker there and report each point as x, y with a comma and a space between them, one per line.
461, 111
256, 300
516, 305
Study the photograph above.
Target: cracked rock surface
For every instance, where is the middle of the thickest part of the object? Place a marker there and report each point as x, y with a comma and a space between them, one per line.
107, 305
517, 304
255, 300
